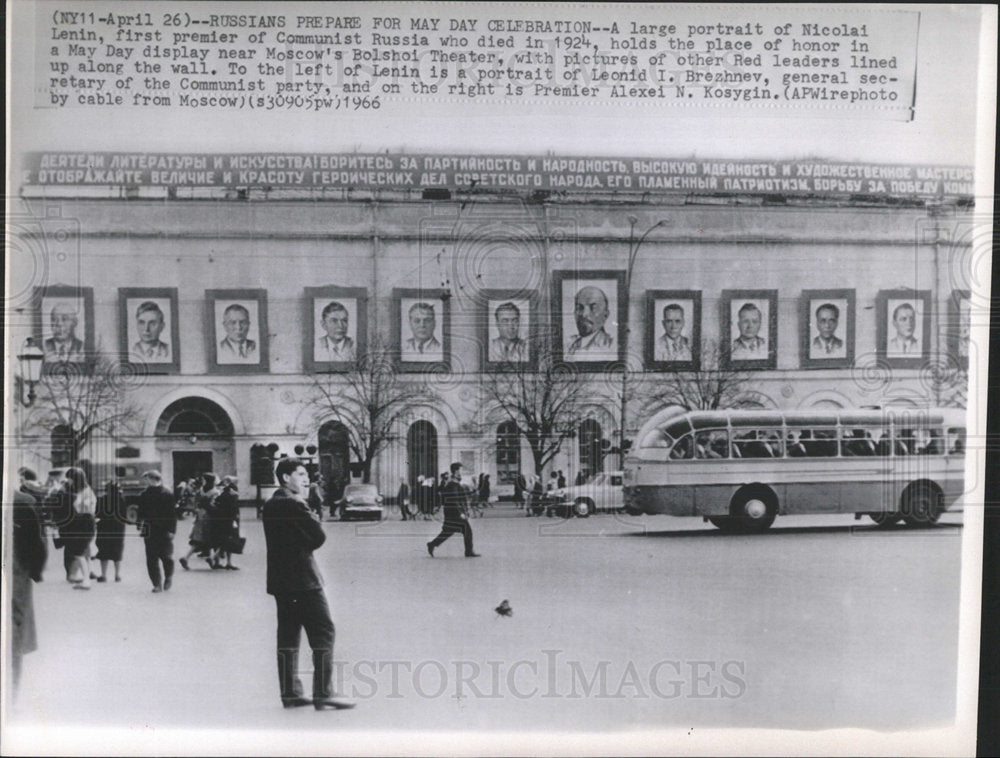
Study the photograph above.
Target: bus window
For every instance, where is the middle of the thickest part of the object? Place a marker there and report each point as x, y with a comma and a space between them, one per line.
926, 441
956, 441
711, 444
656, 438
757, 443
820, 443
857, 442
683, 449
794, 448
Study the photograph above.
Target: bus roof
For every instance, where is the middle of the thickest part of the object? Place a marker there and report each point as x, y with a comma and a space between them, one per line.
677, 421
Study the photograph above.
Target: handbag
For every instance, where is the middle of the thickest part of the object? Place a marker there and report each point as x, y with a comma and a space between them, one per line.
234, 544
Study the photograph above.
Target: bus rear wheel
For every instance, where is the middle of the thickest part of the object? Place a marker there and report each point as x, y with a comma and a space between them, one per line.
921, 504
583, 507
753, 509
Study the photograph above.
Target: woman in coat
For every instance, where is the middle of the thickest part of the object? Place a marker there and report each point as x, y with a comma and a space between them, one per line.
201, 539
110, 530
78, 532
227, 522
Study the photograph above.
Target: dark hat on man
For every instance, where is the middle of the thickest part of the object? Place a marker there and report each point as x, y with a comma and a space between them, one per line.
455, 467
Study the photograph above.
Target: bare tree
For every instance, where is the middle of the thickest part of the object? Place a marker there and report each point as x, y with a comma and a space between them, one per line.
544, 404
79, 402
369, 399
714, 385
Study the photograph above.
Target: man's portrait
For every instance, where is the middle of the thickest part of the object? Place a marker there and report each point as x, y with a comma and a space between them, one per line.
336, 327
672, 329
903, 326
64, 326
590, 314
749, 345
904, 333
827, 324
673, 344
508, 329
149, 330
239, 329
960, 326
750, 326
421, 326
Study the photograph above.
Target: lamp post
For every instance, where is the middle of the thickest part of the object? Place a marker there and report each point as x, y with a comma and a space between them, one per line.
30, 359
633, 251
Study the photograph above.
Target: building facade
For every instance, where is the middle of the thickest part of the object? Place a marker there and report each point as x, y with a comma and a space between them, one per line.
220, 299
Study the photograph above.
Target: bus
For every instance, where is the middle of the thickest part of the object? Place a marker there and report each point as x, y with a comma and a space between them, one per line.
739, 469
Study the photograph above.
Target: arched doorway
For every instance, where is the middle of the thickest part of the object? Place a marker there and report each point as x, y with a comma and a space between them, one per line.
508, 453
195, 435
421, 450
334, 459
63, 449
591, 457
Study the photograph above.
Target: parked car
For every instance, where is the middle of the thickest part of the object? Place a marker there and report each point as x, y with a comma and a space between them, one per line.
361, 502
602, 492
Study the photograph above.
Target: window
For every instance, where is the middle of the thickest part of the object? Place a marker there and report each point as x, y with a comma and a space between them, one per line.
956, 441
591, 454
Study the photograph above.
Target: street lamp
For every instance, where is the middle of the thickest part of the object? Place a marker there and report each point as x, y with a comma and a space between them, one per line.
30, 358
633, 252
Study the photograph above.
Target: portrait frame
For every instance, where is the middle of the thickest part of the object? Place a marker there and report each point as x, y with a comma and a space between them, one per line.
128, 300
525, 301
728, 312
959, 319
403, 299
809, 301
355, 299
43, 300
655, 302
565, 285
216, 301
887, 300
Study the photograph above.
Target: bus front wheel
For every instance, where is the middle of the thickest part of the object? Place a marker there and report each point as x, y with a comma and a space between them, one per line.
922, 504
583, 507
753, 509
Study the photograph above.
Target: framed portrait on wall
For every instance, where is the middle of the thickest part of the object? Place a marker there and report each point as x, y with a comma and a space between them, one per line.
421, 329
959, 325
507, 324
64, 319
336, 320
749, 326
826, 328
149, 334
673, 329
590, 313
237, 331
904, 327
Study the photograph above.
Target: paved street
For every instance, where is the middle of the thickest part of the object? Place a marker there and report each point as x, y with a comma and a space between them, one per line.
618, 623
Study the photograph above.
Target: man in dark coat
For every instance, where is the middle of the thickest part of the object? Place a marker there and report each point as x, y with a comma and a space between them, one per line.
292, 532
30, 552
456, 521
157, 522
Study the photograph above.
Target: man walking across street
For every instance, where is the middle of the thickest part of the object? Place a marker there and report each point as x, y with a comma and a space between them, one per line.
453, 500
292, 532
157, 522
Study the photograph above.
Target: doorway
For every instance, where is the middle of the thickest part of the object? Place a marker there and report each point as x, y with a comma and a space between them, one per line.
334, 459
189, 463
422, 451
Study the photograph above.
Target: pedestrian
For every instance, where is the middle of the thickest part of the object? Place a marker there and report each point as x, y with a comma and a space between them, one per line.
76, 504
520, 484
581, 477
550, 492
292, 532
29, 555
110, 530
456, 520
428, 494
200, 540
484, 490
316, 495
537, 496
403, 498
157, 523
227, 519
561, 480
31, 486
